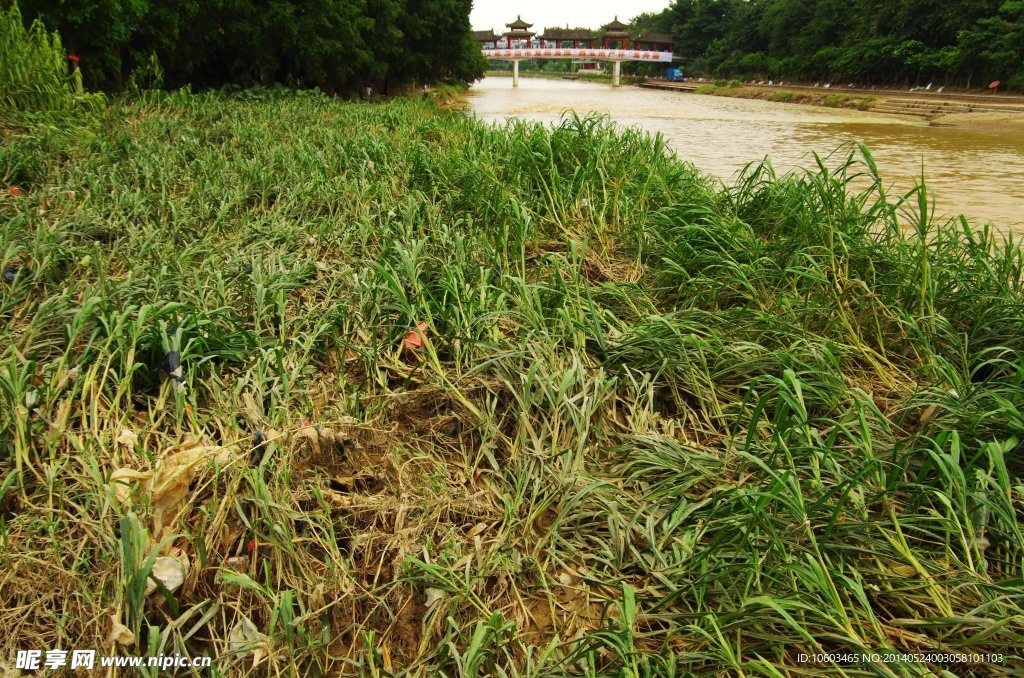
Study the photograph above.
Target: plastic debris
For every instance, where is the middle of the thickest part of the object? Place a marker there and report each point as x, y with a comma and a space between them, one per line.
170, 572
238, 563
172, 369
11, 274
414, 339
14, 190
259, 445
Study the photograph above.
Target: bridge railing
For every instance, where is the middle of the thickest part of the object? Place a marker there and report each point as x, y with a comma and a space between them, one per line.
516, 54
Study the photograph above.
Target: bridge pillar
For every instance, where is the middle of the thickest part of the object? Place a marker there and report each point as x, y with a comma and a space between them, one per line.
616, 72
515, 73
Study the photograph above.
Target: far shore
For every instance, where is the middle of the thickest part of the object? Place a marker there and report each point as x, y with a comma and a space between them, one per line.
989, 112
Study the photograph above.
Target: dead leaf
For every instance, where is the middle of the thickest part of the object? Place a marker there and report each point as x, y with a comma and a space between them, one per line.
119, 633
904, 570
122, 480
251, 409
128, 438
176, 470
433, 595
244, 638
477, 529
321, 439
314, 438
343, 483
336, 499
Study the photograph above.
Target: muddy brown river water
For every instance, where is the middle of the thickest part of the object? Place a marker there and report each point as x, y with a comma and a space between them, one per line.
976, 173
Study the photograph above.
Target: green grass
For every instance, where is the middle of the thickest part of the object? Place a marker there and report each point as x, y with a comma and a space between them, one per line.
657, 426
837, 100
866, 103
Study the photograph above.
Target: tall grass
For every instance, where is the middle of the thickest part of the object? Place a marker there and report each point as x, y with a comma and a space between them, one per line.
33, 66
649, 425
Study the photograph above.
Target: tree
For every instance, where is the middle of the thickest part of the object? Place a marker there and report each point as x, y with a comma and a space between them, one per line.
437, 43
337, 45
872, 40
995, 45
97, 31
383, 39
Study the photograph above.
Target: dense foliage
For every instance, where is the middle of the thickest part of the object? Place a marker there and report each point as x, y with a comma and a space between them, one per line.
337, 45
516, 401
962, 42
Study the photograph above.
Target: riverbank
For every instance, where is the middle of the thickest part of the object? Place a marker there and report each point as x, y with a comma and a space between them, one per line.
961, 111
982, 119
323, 388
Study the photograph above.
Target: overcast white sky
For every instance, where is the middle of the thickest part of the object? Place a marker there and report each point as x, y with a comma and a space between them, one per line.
583, 13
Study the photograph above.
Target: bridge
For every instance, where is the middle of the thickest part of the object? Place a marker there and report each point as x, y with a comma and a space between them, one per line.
616, 45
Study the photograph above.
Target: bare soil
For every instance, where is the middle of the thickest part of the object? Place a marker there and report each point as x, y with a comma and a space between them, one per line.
990, 113
995, 120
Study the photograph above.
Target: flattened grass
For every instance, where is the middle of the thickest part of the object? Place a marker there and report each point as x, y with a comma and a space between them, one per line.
654, 426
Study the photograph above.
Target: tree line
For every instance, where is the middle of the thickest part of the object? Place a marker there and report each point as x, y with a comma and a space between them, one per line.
965, 43
337, 45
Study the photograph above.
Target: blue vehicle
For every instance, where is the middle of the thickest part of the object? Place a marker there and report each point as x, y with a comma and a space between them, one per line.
674, 75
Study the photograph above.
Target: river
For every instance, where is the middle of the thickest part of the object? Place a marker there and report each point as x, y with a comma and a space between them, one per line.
976, 173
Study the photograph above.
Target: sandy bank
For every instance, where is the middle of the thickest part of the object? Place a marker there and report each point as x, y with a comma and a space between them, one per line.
1005, 121
986, 115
